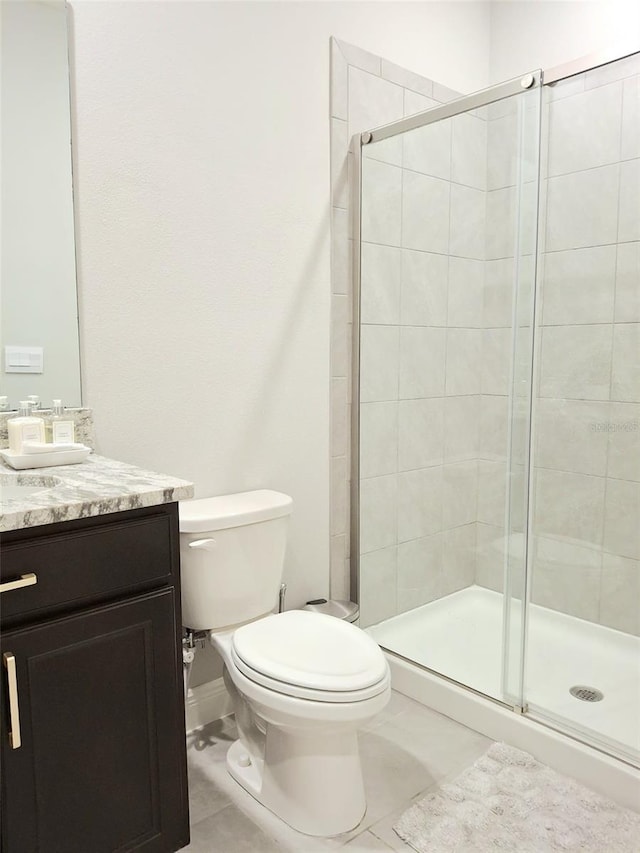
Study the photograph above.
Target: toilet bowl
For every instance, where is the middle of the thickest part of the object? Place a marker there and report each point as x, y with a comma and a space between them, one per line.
302, 683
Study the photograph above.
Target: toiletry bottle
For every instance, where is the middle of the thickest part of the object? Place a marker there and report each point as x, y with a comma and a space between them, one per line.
24, 428
4, 404
34, 400
60, 427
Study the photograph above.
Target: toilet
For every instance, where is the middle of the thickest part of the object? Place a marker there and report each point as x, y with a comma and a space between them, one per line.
302, 683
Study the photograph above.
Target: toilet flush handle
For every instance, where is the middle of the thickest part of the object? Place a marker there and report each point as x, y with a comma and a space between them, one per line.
205, 544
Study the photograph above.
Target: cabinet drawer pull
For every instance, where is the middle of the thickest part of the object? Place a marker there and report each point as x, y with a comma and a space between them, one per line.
23, 580
14, 712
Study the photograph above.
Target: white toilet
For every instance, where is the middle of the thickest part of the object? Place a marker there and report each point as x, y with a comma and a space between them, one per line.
302, 683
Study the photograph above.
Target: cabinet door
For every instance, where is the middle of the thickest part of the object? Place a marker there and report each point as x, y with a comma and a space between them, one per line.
102, 765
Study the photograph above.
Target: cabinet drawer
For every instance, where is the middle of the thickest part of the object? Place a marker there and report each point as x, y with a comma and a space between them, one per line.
87, 564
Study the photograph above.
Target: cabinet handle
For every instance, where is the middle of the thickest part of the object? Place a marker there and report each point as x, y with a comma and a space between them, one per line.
23, 580
14, 712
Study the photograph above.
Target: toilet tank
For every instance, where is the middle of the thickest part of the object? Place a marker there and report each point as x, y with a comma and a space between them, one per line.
232, 556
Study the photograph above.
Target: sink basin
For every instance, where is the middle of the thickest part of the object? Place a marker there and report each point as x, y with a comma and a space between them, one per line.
19, 486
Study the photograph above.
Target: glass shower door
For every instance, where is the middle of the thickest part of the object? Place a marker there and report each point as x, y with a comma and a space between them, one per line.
583, 661
442, 394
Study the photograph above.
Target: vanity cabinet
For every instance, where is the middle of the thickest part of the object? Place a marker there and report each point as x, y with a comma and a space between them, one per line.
93, 741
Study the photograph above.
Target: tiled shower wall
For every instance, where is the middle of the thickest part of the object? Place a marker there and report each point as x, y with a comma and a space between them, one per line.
421, 371
366, 91
587, 417
436, 345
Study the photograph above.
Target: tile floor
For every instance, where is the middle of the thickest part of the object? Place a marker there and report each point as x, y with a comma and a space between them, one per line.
405, 751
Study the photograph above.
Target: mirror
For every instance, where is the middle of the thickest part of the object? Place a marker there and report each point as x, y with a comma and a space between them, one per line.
38, 298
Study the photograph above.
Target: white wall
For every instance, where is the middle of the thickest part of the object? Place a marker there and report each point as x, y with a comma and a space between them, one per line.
202, 162
203, 208
528, 34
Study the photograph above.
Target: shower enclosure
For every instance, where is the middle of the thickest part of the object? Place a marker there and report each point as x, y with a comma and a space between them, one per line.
496, 387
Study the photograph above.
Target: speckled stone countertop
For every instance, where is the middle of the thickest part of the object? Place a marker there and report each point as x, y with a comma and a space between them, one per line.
95, 487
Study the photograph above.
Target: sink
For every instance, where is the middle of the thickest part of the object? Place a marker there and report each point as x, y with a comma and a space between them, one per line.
20, 486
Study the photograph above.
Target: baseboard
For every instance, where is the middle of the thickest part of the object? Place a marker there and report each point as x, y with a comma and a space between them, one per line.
206, 703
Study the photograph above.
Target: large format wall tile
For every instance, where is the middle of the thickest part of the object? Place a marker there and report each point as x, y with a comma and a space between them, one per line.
630, 146
466, 290
461, 428
424, 289
459, 494
620, 593
493, 428
501, 212
380, 359
579, 286
502, 151
628, 283
419, 503
569, 437
467, 236
464, 368
498, 293
566, 577
469, 151
422, 353
378, 571
490, 556
585, 130
625, 371
622, 511
373, 102
570, 506
378, 513
382, 203
497, 357
582, 209
623, 428
419, 571
427, 149
425, 213
629, 209
420, 433
492, 492
459, 558
378, 439
576, 362
381, 268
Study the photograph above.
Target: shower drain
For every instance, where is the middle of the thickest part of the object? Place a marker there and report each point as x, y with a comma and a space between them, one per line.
587, 694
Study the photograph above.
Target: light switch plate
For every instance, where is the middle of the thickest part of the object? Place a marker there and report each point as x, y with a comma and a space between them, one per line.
23, 359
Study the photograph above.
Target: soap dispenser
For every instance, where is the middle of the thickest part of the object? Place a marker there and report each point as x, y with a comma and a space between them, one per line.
24, 428
60, 429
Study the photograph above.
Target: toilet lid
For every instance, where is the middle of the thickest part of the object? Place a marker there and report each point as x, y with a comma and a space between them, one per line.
309, 650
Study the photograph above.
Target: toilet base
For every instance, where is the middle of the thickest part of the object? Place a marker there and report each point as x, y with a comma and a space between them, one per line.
311, 782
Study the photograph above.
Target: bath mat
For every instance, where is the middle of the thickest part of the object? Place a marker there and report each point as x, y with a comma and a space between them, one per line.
510, 802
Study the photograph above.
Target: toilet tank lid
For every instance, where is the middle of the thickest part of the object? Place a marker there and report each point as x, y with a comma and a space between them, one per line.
225, 511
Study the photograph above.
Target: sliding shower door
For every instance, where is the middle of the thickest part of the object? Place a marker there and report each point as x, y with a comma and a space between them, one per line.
442, 386
583, 669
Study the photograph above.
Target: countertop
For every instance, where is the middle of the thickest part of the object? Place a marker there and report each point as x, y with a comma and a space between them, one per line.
97, 486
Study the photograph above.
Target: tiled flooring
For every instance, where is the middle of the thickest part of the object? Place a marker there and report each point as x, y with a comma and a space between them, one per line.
405, 751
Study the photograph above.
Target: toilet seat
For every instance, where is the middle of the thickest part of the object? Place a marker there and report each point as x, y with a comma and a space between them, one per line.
310, 656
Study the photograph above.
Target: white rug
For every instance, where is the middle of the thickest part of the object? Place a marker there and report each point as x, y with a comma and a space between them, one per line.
508, 801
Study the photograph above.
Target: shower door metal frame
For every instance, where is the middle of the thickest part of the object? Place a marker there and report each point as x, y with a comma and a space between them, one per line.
482, 98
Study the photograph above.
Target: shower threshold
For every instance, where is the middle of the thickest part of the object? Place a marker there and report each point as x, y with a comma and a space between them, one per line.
460, 637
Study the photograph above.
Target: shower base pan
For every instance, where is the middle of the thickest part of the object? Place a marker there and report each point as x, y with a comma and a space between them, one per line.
460, 636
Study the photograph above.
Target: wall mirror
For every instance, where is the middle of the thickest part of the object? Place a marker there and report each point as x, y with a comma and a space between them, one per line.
38, 295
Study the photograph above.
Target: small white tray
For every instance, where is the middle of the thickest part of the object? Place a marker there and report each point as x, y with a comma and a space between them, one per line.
21, 461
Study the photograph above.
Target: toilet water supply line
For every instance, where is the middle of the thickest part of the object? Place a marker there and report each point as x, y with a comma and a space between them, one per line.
193, 640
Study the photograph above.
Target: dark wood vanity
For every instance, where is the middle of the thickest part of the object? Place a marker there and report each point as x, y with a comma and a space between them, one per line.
93, 742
